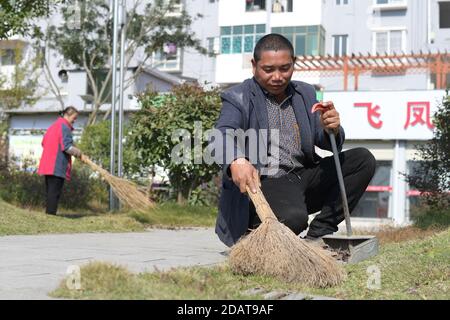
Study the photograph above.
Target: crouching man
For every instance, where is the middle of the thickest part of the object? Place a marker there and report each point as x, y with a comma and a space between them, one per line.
295, 181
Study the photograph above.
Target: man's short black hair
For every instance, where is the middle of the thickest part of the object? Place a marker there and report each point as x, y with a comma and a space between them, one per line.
272, 42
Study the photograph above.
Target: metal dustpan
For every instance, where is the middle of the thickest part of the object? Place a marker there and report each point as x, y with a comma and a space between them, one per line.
352, 248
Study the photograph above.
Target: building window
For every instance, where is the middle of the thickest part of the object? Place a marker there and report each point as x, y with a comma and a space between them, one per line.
340, 45
255, 5
239, 39
8, 57
341, 2
306, 40
375, 202
444, 15
279, 6
167, 59
390, 42
212, 45
177, 9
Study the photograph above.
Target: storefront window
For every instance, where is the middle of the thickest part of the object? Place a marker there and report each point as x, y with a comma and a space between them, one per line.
375, 202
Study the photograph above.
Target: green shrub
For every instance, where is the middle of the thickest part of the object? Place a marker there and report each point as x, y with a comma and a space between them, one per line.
428, 217
27, 189
206, 195
431, 175
171, 126
96, 143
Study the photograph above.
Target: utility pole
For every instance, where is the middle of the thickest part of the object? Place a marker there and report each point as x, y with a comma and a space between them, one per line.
115, 6
123, 31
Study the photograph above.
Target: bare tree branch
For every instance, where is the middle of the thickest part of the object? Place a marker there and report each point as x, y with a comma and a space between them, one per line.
52, 83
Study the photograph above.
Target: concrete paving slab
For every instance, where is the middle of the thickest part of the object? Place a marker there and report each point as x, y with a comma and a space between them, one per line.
32, 266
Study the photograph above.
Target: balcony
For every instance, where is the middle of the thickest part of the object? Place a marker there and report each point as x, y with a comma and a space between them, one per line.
390, 5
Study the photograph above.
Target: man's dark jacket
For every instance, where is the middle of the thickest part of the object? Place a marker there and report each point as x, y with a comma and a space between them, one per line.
244, 107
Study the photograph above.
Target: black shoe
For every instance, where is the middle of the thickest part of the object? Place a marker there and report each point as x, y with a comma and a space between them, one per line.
316, 240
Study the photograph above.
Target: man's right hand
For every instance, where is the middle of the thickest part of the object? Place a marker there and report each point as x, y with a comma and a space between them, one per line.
245, 174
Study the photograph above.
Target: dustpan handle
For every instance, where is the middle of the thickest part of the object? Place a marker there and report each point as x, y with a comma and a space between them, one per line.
341, 183
262, 206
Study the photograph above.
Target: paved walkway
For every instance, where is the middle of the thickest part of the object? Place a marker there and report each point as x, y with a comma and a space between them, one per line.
32, 266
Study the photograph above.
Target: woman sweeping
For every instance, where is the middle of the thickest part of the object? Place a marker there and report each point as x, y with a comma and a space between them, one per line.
56, 160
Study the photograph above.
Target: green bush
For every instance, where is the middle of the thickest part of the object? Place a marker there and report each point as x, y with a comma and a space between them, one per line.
96, 143
27, 189
432, 173
206, 195
172, 126
428, 217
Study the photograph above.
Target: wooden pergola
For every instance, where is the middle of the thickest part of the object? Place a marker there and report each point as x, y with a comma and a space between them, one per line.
357, 64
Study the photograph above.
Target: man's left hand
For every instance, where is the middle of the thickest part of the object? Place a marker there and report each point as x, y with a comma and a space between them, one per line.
330, 118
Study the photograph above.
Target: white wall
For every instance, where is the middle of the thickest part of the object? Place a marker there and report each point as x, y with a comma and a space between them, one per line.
230, 68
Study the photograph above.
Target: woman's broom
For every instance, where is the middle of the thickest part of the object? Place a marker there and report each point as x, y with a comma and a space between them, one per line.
125, 190
273, 249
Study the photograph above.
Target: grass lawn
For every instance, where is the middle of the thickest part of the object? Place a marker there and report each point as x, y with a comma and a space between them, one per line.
171, 215
18, 221
410, 269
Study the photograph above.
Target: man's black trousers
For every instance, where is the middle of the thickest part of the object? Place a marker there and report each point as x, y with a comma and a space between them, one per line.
54, 186
309, 190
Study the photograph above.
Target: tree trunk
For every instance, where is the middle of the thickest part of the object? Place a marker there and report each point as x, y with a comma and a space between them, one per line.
183, 194
93, 116
4, 147
181, 200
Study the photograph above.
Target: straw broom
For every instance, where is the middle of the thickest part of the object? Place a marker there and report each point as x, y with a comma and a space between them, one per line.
274, 250
125, 190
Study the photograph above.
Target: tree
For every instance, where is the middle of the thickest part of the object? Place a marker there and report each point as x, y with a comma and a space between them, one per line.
85, 40
96, 143
16, 15
20, 85
432, 175
160, 117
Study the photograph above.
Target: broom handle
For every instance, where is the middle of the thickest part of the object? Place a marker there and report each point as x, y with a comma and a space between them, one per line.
341, 183
94, 166
262, 206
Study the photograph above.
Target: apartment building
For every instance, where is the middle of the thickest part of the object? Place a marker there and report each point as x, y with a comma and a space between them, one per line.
243, 23
334, 27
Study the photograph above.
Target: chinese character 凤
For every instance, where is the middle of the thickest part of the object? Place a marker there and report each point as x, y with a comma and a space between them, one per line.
419, 113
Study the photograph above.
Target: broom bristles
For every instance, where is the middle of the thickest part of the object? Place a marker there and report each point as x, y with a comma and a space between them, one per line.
274, 250
125, 190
